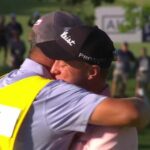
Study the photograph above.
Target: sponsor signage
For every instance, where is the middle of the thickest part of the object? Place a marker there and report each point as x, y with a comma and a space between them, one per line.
109, 19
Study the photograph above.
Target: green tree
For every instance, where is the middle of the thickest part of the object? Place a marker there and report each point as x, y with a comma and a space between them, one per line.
135, 16
83, 8
98, 2
94, 2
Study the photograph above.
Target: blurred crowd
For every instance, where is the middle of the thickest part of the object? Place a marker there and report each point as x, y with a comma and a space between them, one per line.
10, 39
126, 63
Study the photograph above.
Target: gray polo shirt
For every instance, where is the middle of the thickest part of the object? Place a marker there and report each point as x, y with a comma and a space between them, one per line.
58, 112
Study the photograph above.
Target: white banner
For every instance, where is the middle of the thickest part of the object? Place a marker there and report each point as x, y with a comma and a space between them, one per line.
109, 19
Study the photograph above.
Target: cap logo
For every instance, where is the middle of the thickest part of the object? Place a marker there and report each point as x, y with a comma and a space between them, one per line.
85, 57
38, 22
91, 59
67, 38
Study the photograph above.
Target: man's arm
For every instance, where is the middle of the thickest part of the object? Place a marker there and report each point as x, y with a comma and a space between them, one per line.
121, 112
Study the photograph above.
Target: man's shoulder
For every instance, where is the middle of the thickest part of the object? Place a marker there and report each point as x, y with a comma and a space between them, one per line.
64, 86
120, 52
130, 52
59, 88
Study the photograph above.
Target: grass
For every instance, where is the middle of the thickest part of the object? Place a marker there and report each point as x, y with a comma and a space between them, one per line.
144, 139
144, 135
24, 8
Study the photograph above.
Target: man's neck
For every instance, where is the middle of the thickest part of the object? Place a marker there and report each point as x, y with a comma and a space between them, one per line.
97, 87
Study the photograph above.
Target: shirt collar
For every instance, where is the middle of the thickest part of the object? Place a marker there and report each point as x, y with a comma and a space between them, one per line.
35, 67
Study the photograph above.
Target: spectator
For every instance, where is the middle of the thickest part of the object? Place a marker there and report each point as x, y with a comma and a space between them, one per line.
13, 25
142, 73
122, 70
118, 77
3, 40
17, 47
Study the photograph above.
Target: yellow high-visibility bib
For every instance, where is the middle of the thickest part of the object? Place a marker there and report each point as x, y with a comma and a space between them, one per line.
15, 101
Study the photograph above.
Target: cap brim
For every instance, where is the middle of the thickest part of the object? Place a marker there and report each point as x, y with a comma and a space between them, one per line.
52, 50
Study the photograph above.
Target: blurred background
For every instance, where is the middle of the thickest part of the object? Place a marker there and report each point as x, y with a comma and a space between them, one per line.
127, 22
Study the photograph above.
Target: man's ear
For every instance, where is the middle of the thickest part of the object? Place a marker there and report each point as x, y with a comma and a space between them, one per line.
93, 72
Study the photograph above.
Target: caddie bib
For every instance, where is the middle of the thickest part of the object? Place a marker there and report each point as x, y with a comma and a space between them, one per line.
15, 101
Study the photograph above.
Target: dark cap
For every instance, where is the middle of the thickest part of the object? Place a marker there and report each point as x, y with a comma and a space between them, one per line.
49, 26
85, 43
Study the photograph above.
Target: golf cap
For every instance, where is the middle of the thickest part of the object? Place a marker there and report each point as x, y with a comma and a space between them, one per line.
63, 36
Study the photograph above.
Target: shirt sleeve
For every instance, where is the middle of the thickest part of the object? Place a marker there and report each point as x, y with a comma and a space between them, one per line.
69, 107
